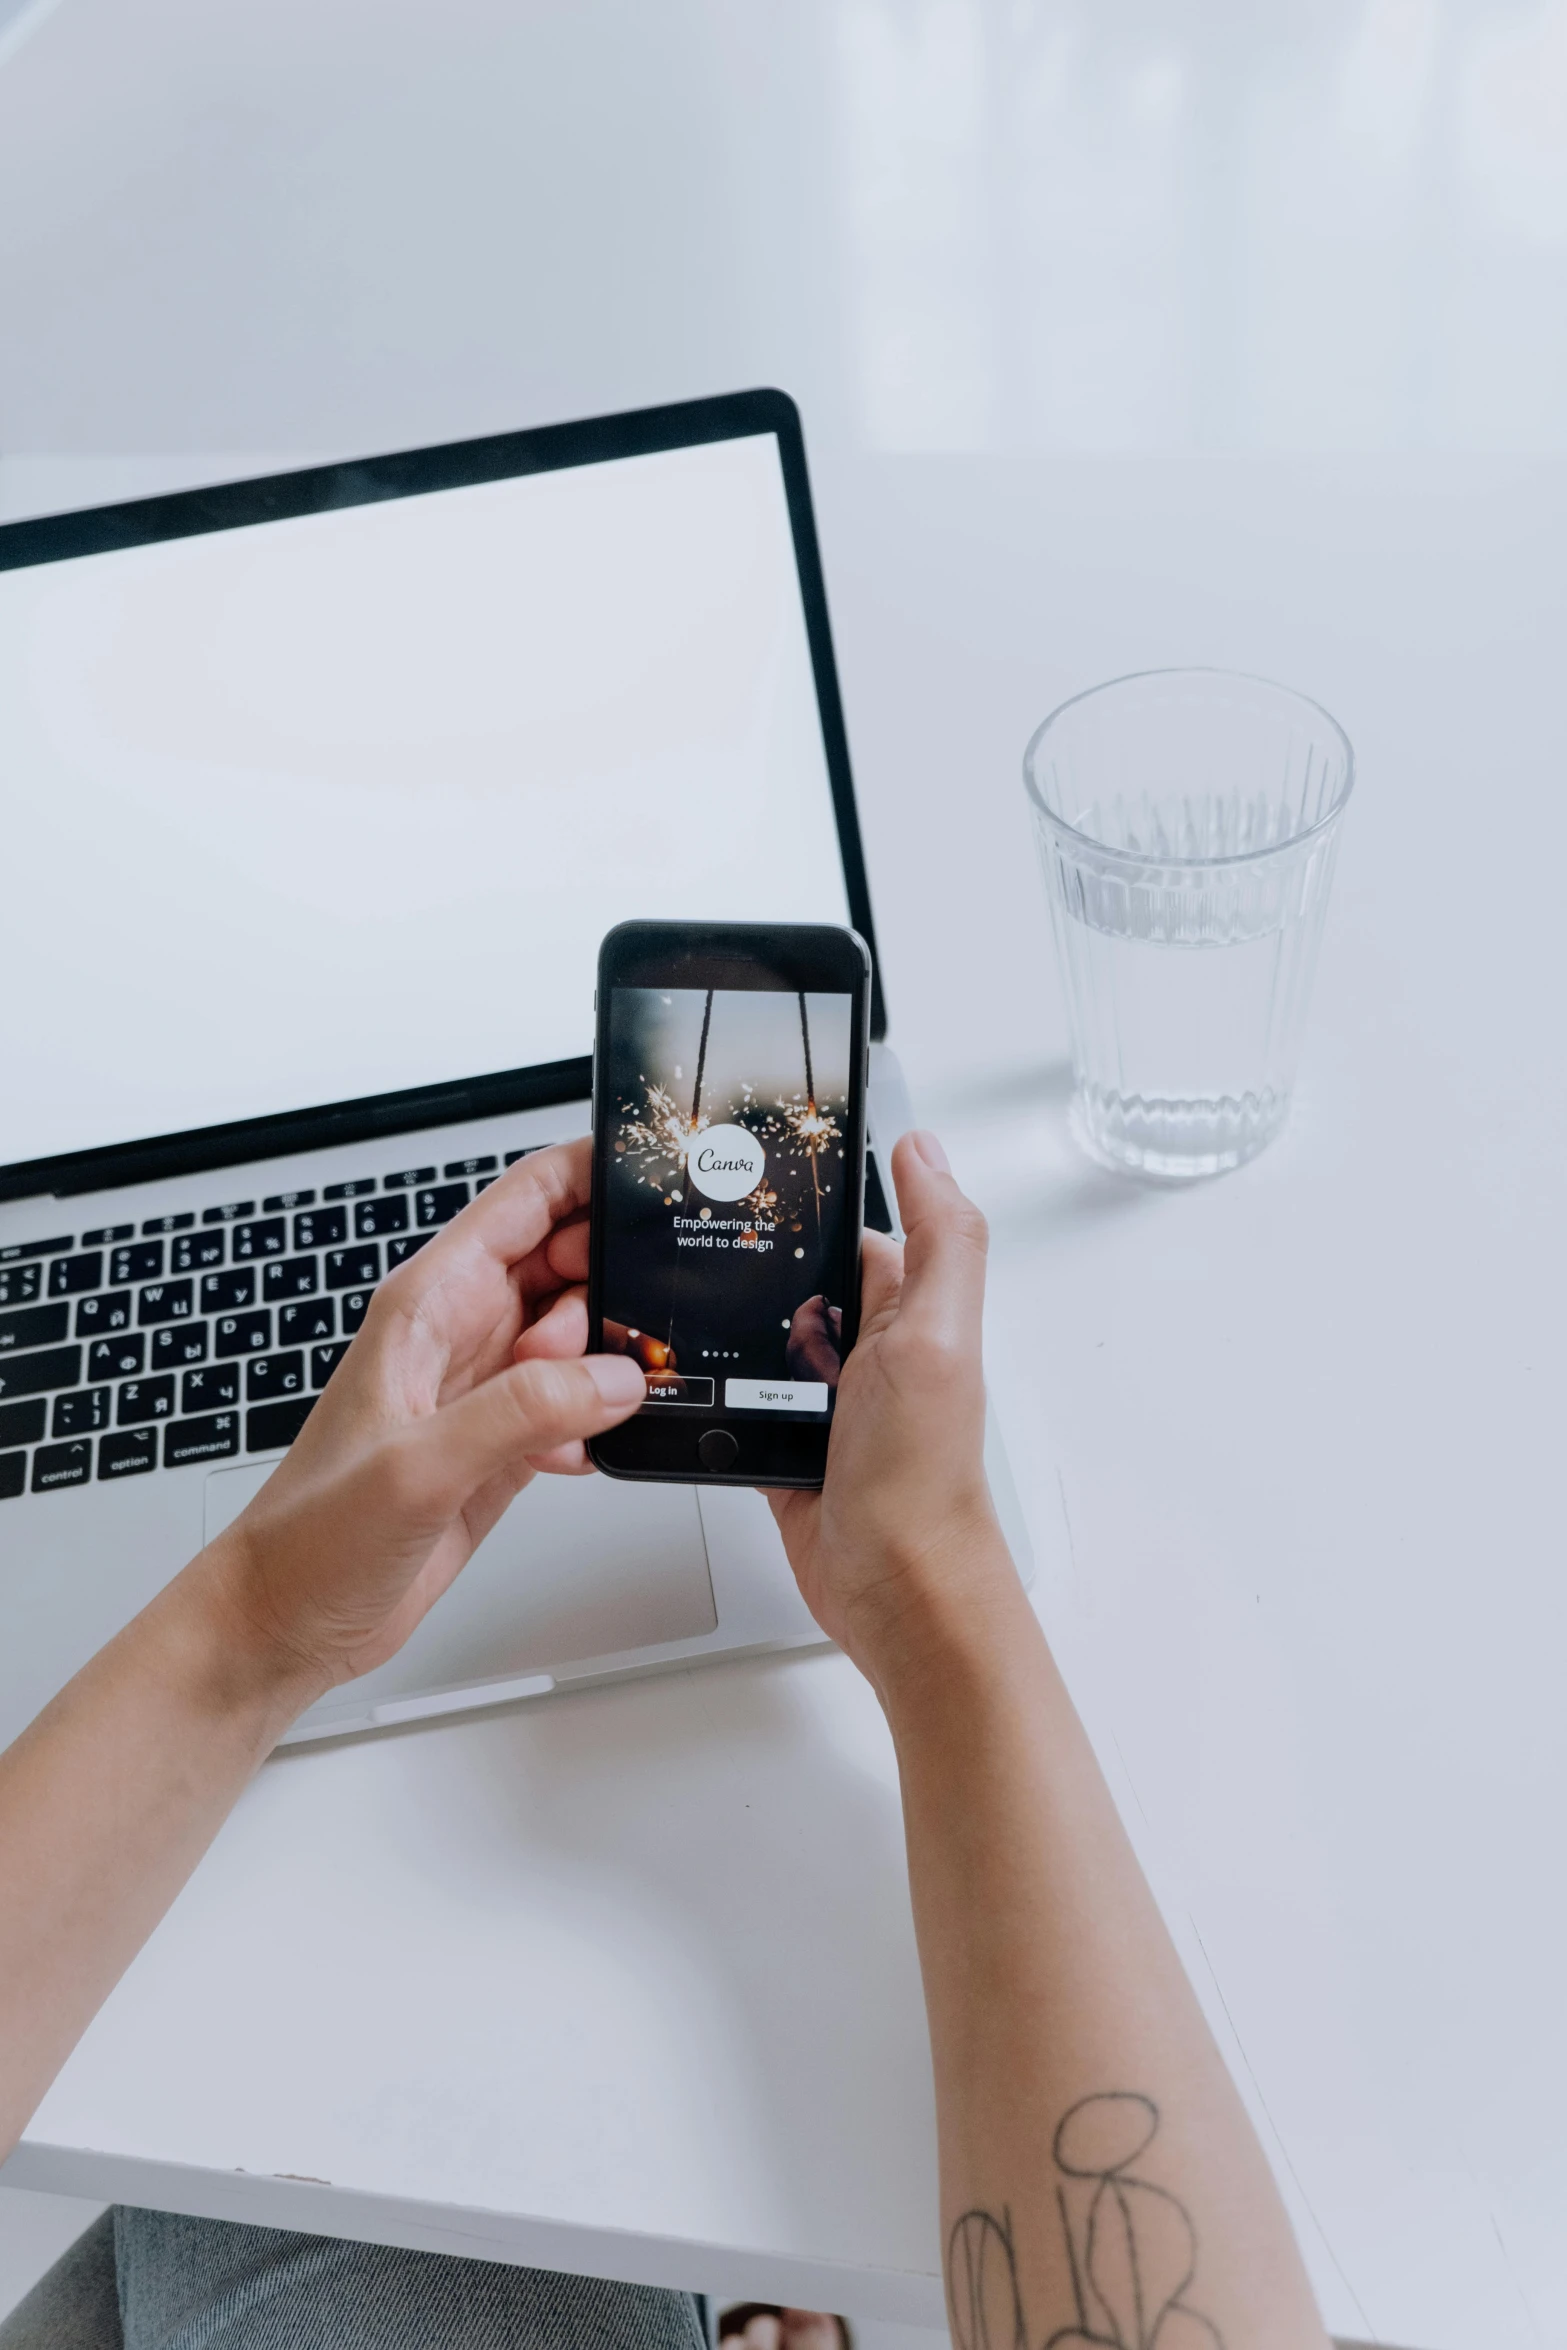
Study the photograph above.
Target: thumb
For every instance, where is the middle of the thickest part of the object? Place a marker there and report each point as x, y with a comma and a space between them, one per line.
944, 1247
531, 1408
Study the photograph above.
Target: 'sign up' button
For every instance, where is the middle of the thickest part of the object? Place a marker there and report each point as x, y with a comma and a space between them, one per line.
775, 1395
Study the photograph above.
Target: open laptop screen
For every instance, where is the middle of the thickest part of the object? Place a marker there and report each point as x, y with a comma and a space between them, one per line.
341, 804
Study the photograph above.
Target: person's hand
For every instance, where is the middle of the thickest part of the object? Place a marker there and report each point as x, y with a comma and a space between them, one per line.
902, 1533
459, 1387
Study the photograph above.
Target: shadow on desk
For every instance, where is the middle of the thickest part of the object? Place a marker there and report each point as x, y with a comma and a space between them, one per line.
1011, 1141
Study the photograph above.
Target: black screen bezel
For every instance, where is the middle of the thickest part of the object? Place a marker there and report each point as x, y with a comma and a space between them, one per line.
816, 957
58, 538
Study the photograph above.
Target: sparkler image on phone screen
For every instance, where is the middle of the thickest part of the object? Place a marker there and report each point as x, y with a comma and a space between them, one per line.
727, 1194
730, 1162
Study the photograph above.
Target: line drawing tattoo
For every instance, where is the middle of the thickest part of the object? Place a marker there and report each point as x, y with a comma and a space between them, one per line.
1131, 2247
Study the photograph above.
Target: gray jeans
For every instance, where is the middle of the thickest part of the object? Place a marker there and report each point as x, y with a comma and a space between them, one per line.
151, 2280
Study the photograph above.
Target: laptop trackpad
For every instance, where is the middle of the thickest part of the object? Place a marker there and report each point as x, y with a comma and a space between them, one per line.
579, 1568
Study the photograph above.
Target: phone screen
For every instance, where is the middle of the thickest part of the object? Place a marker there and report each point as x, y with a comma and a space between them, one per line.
731, 1206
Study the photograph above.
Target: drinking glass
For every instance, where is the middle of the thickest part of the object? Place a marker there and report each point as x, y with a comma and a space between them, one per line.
1188, 822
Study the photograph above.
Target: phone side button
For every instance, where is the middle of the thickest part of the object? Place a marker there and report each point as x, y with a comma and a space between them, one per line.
717, 1450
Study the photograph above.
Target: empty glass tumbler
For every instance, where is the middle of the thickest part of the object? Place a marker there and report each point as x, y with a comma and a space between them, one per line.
1188, 823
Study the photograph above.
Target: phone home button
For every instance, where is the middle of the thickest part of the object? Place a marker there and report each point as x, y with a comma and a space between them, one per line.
716, 1449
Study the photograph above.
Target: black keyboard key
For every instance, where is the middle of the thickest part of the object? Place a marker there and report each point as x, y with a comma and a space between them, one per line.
22, 1423
140, 1400
13, 1475
61, 1464
269, 1376
15, 1250
483, 1184
167, 1224
409, 1180
269, 1425
19, 1283
513, 1156
294, 1277
115, 1358
287, 1199
351, 1268
130, 1454
297, 1325
441, 1205
244, 1334
81, 1414
204, 1391
165, 1301
108, 1232
269, 1238
69, 1276
324, 1361
375, 1216
225, 1293
211, 1439
399, 1251
470, 1166
198, 1250
109, 1311
354, 1308
143, 1261
230, 1214
182, 1343
33, 1326
40, 1374
321, 1228
355, 1190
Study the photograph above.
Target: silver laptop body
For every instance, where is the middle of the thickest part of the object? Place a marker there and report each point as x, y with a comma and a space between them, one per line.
321, 791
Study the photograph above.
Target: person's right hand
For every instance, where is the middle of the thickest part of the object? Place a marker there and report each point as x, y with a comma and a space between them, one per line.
902, 1536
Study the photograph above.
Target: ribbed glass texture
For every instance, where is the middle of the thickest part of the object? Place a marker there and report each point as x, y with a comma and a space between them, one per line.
1188, 823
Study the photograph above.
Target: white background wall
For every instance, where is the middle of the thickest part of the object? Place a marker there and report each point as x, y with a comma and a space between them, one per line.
955, 225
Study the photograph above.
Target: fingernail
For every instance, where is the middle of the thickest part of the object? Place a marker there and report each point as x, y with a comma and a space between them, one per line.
931, 1151
617, 1378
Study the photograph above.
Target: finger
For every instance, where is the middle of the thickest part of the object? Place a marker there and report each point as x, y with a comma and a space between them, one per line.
559, 1333
881, 1279
516, 1416
514, 1218
566, 1460
943, 1251
567, 1250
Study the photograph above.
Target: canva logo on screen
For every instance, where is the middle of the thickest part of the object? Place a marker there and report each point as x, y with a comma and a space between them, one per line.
726, 1163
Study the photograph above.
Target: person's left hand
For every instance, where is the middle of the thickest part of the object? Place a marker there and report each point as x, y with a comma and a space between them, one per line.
467, 1377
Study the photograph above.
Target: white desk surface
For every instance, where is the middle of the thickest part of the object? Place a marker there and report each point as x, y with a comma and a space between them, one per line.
626, 1980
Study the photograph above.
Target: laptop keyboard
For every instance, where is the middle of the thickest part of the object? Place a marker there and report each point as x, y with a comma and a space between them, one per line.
203, 1335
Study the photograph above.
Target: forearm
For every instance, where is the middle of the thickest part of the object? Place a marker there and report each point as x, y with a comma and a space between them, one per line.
106, 1804
1072, 2060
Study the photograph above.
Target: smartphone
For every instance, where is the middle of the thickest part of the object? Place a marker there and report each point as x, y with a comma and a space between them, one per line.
729, 1074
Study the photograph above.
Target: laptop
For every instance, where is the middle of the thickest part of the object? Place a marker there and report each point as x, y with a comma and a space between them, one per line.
319, 792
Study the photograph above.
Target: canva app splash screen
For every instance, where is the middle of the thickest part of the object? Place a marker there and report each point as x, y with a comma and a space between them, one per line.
729, 1194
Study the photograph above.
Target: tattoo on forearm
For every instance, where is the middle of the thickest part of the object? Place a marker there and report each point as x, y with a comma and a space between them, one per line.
1131, 2248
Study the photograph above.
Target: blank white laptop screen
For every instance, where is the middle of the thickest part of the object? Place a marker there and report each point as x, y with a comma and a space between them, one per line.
341, 804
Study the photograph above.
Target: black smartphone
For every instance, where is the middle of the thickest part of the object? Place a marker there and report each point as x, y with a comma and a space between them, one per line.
729, 1073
